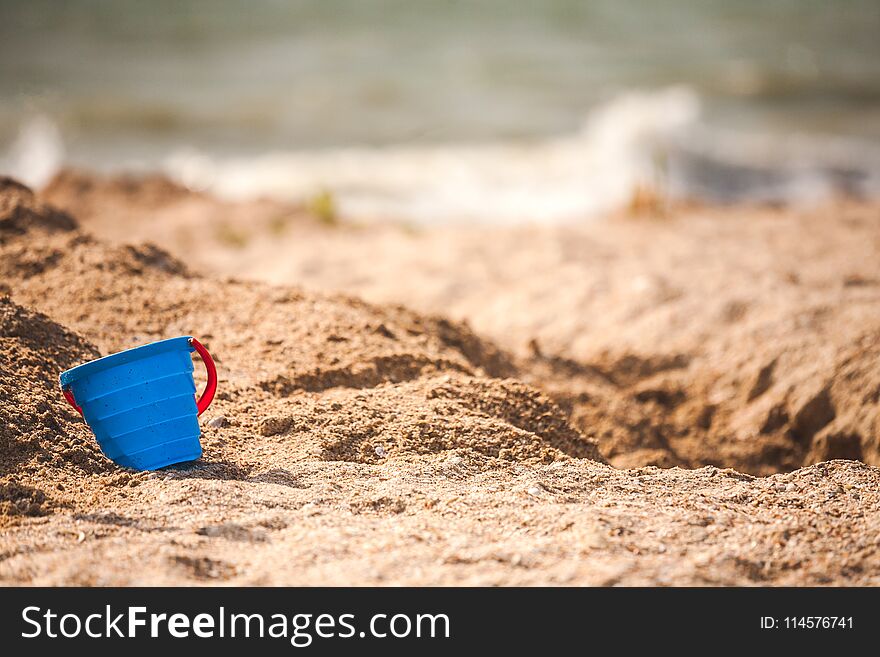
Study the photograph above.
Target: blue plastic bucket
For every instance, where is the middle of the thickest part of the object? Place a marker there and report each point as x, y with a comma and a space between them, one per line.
141, 403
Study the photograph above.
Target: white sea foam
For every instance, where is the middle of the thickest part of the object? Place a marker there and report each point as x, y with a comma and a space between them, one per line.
654, 139
37, 152
657, 139
554, 179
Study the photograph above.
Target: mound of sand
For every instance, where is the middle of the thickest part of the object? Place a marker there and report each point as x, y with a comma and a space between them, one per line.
352, 443
211, 233
742, 337
42, 442
389, 368
21, 212
505, 419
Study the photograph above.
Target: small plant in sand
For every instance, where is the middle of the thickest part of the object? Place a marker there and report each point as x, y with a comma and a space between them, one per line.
323, 206
647, 200
230, 236
278, 224
649, 196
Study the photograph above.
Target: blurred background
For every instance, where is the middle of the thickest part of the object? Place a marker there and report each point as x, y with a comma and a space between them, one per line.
486, 110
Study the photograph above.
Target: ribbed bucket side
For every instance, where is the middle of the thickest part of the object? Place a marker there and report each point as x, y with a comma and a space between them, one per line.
143, 412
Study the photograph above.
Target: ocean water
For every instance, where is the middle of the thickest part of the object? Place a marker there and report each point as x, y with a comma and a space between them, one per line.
478, 110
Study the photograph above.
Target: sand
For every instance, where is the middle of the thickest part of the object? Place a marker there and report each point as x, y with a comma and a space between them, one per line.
505, 430
742, 337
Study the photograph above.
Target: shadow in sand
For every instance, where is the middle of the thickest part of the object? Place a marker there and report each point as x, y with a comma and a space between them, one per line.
110, 518
279, 476
117, 520
209, 469
229, 471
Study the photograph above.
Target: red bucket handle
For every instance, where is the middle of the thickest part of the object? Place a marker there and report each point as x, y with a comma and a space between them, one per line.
211, 386
202, 402
70, 400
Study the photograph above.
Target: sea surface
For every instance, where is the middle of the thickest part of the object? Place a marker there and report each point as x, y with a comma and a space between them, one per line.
479, 110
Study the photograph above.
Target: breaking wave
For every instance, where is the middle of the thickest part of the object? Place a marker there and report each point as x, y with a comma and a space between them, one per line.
656, 140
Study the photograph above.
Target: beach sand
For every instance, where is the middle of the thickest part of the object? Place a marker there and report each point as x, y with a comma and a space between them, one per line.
452, 405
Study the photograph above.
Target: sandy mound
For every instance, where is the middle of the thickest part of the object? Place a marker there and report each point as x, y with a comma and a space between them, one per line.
352, 443
742, 337
214, 235
273, 347
282, 339
504, 419
20, 212
42, 442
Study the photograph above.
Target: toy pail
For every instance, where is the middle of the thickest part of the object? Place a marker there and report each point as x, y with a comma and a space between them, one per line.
141, 403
